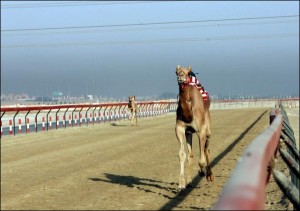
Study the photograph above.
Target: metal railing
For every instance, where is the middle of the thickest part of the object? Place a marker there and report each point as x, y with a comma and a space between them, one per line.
245, 190
79, 114
92, 113
290, 187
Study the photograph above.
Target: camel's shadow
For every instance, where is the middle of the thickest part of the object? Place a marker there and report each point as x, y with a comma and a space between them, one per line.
118, 125
143, 184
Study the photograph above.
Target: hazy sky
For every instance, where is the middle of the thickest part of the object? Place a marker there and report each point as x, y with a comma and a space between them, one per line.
117, 49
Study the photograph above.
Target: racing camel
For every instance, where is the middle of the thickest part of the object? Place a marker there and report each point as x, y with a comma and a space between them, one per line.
132, 106
192, 116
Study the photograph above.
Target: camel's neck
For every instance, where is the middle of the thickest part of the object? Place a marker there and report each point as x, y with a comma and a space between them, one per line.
188, 96
182, 87
184, 111
185, 98
132, 105
184, 94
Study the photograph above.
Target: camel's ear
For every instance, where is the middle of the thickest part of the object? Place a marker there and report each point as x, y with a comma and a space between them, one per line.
189, 68
177, 68
134, 97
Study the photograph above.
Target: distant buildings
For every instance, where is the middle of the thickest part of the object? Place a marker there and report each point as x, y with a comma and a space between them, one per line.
59, 98
15, 97
89, 97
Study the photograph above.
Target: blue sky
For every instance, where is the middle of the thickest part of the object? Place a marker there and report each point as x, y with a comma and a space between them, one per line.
238, 48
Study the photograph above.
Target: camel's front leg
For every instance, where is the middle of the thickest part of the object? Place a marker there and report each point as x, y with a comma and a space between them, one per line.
129, 114
202, 158
190, 157
132, 118
180, 134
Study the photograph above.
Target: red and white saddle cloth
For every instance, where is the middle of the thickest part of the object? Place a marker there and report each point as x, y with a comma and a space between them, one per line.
194, 81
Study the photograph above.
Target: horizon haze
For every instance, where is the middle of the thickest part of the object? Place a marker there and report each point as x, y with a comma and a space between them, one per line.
120, 48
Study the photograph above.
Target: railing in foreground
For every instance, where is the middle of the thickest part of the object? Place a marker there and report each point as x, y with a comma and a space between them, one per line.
245, 189
92, 113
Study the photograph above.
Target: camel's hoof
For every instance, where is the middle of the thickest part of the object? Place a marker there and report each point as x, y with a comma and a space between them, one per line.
201, 173
189, 180
210, 178
181, 187
182, 183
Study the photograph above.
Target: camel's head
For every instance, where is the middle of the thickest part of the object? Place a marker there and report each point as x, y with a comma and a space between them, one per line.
183, 74
131, 98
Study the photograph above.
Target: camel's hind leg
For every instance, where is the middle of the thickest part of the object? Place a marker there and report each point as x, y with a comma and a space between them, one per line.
180, 134
190, 157
209, 174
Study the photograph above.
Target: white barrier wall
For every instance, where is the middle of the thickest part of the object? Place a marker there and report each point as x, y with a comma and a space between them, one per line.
109, 113
243, 104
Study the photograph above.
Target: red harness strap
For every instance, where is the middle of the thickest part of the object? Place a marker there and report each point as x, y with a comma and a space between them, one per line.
194, 82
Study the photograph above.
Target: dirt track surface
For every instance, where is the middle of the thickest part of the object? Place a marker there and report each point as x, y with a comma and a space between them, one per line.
115, 166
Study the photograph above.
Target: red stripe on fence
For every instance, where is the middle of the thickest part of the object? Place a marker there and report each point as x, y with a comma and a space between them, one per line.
69, 119
75, 123
57, 122
27, 126
64, 121
43, 123
245, 189
20, 126
35, 123
10, 127
50, 122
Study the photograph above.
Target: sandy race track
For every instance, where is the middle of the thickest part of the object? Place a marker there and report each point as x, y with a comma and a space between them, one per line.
115, 166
